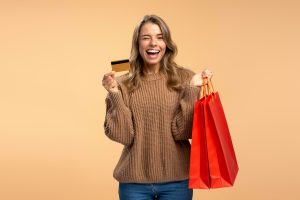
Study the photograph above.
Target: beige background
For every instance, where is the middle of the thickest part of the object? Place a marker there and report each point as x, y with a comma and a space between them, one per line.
53, 55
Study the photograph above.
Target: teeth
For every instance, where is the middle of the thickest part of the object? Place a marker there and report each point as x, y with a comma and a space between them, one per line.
152, 51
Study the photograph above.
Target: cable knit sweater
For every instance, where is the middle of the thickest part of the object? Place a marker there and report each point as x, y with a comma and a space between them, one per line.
154, 125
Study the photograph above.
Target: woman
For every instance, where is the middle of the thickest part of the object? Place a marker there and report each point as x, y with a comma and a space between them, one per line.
149, 111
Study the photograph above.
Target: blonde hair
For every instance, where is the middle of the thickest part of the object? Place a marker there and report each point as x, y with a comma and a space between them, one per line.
167, 66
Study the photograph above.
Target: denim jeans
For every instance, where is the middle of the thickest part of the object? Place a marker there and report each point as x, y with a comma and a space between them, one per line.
177, 190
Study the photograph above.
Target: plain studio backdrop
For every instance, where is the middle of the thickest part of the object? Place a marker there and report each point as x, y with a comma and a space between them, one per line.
53, 55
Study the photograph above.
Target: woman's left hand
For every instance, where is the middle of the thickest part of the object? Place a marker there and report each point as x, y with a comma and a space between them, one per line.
201, 78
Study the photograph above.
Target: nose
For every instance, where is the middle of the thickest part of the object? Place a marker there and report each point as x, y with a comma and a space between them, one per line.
153, 42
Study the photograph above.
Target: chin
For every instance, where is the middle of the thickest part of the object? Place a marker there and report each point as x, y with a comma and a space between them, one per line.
153, 62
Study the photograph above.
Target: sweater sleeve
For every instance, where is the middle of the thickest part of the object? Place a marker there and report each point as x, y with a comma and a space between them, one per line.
182, 122
118, 123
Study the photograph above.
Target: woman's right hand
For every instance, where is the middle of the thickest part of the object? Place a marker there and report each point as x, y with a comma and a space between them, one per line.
109, 82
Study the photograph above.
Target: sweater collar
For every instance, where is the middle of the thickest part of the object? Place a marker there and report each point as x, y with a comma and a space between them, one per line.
152, 77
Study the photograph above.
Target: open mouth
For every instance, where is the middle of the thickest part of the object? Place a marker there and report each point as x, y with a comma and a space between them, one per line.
152, 52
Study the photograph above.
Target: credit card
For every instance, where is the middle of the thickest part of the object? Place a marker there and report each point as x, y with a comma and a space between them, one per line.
120, 65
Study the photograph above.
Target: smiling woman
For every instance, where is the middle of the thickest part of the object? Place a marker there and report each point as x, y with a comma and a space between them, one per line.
149, 110
152, 47
152, 33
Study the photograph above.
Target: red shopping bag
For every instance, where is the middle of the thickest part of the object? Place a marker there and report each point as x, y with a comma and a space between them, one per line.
199, 168
213, 162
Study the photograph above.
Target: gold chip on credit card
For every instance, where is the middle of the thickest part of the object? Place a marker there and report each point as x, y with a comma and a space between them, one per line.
120, 65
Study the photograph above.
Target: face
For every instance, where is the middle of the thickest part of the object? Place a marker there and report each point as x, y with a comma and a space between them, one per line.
152, 46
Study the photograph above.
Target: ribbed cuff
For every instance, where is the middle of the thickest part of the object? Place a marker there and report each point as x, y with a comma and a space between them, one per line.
192, 92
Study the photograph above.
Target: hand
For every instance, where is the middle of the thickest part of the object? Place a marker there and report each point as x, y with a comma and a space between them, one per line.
201, 78
109, 82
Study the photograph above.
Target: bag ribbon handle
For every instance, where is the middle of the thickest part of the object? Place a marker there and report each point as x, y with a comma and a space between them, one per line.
207, 88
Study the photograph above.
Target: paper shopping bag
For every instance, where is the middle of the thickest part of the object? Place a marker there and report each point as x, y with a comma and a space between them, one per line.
211, 127
199, 171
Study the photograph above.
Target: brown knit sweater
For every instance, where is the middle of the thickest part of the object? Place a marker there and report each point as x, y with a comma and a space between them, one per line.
154, 125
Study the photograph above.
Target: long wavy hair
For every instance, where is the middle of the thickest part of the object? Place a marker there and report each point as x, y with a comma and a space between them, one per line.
167, 66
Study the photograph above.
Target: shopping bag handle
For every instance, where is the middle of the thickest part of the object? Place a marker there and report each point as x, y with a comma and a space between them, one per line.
207, 88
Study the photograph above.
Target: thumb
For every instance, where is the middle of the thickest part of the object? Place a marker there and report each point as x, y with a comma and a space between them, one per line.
113, 73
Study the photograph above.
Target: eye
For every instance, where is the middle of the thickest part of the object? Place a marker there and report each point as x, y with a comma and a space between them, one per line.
145, 38
160, 37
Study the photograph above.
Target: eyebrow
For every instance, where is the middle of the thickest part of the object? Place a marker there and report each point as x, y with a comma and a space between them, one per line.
160, 34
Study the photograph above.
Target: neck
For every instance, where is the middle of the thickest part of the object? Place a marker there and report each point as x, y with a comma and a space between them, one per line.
151, 69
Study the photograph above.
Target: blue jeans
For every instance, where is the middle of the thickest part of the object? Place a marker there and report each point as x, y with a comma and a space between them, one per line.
177, 190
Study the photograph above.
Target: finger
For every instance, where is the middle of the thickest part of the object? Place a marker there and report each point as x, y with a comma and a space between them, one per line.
105, 79
113, 73
114, 84
206, 73
108, 82
209, 73
108, 76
